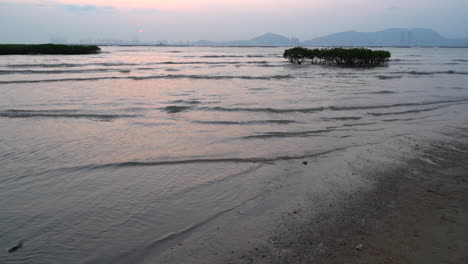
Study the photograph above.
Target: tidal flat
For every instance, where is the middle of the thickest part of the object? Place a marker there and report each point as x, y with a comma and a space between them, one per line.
232, 155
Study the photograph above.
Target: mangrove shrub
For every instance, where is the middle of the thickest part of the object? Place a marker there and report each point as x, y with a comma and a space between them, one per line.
339, 56
21, 49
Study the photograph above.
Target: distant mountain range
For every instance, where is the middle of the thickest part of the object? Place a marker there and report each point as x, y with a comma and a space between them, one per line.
268, 39
394, 37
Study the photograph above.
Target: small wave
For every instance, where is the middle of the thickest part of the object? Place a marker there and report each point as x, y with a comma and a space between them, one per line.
40, 111
258, 89
431, 72
458, 88
206, 62
116, 64
288, 134
45, 65
404, 112
359, 124
255, 62
176, 108
344, 108
265, 110
253, 122
411, 118
400, 119
220, 160
221, 56
461, 60
307, 133
62, 71
386, 77
378, 92
131, 50
404, 60
14, 113
63, 80
332, 108
135, 109
69, 65
257, 56
212, 77
342, 118
361, 130
270, 65
383, 92
169, 76
145, 124
186, 102
425, 73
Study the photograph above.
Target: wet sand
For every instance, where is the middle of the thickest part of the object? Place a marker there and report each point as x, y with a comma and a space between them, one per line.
421, 218
416, 212
404, 200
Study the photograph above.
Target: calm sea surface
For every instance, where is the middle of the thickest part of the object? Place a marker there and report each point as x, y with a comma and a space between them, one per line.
105, 155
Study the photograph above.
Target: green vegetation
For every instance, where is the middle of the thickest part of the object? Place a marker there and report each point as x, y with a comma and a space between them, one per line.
338, 56
21, 49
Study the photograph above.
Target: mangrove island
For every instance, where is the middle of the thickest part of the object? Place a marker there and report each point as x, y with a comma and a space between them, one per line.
337, 56
52, 49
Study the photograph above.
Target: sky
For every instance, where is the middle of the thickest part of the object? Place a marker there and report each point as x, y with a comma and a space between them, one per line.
39, 21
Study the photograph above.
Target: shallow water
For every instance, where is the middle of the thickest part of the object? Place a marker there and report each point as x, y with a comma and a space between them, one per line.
105, 155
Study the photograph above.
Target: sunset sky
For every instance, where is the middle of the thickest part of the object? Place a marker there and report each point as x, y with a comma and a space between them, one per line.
150, 20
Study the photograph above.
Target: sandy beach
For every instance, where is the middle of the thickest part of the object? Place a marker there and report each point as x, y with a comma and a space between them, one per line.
415, 213
421, 217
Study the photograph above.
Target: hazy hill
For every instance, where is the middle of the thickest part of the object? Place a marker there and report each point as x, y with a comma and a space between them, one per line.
205, 43
388, 37
268, 39
397, 37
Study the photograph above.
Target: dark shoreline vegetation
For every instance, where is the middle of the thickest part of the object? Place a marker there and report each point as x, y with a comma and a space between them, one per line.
337, 56
50, 49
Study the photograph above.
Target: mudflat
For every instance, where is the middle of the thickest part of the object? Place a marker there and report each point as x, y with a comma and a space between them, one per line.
426, 220
417, 213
